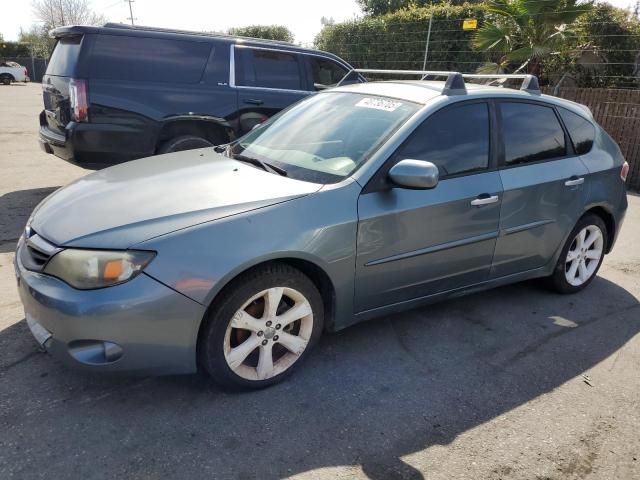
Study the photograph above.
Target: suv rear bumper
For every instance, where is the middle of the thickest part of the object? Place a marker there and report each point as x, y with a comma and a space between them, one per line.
96, 145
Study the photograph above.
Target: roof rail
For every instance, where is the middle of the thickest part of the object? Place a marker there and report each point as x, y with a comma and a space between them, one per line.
142, 28
529, 82
454, 85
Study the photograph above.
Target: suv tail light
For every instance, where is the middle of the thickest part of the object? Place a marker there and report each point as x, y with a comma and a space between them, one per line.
79, 100
26, 72
624, 171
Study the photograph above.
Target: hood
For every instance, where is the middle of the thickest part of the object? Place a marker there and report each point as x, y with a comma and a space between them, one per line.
129, 203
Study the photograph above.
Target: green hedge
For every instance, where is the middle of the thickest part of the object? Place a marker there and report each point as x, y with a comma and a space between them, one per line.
614, 35
397, 40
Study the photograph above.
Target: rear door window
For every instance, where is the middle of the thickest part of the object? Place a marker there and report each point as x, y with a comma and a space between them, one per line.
325, 73
581, 131
455, 139
64, 58
119, 57
531, 133
268, 69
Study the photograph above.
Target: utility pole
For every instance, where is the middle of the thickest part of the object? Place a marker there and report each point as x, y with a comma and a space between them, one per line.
130, 10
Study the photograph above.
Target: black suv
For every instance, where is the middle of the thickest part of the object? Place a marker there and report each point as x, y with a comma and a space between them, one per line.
116, 93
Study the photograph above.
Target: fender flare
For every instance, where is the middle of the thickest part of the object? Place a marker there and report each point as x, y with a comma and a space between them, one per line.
189, 117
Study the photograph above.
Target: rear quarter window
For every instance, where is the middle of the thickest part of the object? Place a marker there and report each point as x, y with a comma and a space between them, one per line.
581, 131
117, 57
64, 58
531, 133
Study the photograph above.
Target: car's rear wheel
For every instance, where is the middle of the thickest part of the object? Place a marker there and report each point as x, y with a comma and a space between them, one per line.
261, 329
184, 142
6, 79
581, 255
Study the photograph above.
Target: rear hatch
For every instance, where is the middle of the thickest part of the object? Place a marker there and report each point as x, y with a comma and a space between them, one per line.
56, 83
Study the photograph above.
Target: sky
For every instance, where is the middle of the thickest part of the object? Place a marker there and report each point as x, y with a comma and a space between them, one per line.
301, 16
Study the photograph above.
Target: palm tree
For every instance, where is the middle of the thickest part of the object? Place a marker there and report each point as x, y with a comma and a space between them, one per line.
523, 33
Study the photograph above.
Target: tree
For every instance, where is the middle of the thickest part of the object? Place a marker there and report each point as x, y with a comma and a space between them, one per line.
56, 13
268, 32
382, 7
38, 41
522, 34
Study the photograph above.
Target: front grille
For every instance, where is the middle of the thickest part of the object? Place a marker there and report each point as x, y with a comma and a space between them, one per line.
38, 257
35, 252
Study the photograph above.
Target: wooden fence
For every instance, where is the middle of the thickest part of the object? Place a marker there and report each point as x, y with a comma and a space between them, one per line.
618, 111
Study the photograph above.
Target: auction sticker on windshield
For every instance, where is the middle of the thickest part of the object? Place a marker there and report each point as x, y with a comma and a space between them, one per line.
379, 104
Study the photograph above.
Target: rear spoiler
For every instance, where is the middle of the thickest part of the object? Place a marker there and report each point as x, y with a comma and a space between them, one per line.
68, 31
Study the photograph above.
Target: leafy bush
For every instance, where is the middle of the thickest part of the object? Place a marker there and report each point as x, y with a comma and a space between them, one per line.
397, 40
606, 35
268, 32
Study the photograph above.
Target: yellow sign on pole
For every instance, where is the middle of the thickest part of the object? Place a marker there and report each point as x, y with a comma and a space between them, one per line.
469, 24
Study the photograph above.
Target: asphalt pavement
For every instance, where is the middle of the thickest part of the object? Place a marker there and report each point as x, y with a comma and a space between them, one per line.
513, 383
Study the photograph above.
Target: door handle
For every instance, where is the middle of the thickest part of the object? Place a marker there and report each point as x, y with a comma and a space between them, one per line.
484, 199
573, 181
253, 101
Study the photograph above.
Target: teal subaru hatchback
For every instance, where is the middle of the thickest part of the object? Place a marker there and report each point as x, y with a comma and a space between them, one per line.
356, 202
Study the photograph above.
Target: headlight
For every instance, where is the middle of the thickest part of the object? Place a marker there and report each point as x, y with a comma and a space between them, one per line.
87, 269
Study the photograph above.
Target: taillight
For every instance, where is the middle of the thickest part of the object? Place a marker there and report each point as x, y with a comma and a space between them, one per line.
26, 72
79, 100
624, 171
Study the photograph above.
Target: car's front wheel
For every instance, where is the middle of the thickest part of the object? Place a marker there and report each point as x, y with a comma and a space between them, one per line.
261, 328
581, 255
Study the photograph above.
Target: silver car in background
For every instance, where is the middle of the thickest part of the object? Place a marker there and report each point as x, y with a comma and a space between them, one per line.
354, 203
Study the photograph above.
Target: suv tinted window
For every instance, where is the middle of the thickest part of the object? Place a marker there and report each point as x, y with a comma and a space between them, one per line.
268, 68
117, 57
455, 139
531, 133
325, 72
64, 57
581, 131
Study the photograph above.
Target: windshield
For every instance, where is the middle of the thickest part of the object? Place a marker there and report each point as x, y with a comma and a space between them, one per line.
326, 137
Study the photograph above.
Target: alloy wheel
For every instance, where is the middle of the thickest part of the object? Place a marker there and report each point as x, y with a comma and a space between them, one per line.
584, 255
268, 334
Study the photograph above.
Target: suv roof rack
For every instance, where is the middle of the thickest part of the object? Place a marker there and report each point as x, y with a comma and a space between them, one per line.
454, 84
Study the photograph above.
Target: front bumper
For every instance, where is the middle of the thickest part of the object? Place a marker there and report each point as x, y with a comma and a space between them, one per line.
139, 327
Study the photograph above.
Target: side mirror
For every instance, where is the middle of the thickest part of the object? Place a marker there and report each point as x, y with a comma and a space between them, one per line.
414, 174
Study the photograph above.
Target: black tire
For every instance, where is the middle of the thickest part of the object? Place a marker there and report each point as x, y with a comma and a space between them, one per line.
184, 142
558, 280
213, 334
6, 79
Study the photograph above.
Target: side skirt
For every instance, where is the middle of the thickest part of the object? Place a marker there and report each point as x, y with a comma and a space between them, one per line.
459, 292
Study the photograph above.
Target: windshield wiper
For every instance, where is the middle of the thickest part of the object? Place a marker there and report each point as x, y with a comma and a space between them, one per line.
267, 167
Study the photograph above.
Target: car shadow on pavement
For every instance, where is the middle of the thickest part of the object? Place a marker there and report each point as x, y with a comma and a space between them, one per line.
15, 208
367, 397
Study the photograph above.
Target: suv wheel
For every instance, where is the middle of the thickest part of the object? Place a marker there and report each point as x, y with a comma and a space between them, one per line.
263, 327
184, 142
581, 255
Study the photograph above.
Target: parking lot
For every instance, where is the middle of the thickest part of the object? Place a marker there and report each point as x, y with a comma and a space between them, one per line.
512, 383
